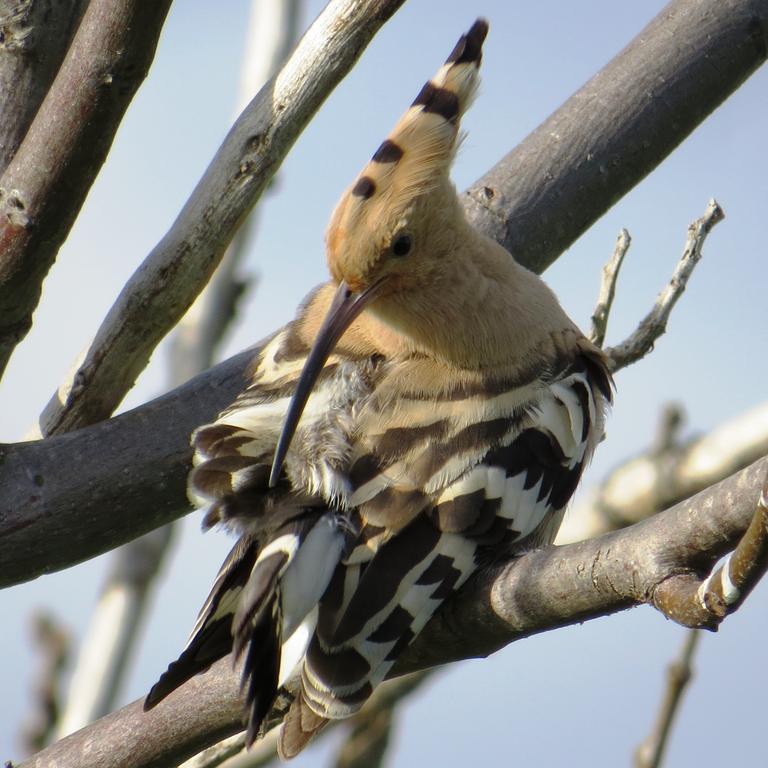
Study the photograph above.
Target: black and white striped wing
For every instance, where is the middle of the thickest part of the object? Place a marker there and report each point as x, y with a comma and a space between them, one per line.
517, 470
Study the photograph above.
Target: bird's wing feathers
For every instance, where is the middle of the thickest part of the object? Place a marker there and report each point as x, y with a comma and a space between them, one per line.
517, 473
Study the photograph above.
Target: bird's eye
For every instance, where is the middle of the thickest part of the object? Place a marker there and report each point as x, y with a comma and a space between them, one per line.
401, 246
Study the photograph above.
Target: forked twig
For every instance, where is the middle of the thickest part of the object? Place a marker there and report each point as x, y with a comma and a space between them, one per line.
653, 325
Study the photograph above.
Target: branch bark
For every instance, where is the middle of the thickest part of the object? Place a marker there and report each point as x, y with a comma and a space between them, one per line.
44, 186
144, 454
539, 591
34, 36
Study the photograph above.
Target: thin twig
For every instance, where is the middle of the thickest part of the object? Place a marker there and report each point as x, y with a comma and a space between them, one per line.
608, 288
653, 325
174, 273
221, 753
651, 752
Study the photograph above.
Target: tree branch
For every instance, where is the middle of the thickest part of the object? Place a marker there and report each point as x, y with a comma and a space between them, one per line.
138, 462
34, 36
165, 285
630, 116
44, 186
536, 592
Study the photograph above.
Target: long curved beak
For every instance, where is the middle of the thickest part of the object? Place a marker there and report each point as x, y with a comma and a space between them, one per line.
345, 307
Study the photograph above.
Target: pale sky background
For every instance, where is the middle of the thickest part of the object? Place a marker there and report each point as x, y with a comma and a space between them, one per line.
582, 696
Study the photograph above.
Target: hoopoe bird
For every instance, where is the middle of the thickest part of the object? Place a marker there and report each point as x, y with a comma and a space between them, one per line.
430, 409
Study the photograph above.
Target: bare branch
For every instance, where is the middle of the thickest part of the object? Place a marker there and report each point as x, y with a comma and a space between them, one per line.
112, 631
630, 116
222, 754
651, 752
667, 473
44, 186
641, 341
35, 37
608, 288
172, 275
541, 590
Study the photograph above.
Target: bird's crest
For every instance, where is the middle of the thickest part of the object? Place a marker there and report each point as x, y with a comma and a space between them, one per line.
416, 156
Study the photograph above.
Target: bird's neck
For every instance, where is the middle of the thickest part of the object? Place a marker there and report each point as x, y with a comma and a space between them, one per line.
483, 311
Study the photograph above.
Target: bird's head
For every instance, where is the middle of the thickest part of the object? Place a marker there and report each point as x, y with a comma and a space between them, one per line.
395, 224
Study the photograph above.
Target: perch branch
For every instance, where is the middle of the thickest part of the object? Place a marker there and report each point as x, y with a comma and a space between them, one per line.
540, 590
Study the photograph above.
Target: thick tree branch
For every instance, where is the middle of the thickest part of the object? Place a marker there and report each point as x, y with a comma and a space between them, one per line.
137, 463
34, 36
71, 496
174, 273
630, 116
44, 186
541, 590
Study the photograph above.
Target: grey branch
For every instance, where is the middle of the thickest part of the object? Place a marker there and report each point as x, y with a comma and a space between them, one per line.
36, 35
172, 275
654, 323
45, 184
610, 275
139, 461
619, 126
651, 752
539, 591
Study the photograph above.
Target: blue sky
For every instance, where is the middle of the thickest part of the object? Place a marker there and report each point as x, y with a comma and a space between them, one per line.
587, 694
